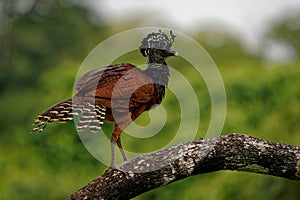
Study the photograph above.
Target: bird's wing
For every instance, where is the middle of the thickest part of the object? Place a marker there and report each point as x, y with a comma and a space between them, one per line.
122, 81
90, 78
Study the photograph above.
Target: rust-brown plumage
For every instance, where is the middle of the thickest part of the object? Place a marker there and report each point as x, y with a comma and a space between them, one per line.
117, 93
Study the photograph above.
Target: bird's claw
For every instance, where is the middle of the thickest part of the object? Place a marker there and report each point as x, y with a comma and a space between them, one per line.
115, 167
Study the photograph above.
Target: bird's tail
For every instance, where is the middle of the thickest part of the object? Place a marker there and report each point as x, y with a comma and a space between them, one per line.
91, 116
61, 111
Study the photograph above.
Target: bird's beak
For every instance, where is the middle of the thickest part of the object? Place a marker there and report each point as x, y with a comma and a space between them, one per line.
173, 53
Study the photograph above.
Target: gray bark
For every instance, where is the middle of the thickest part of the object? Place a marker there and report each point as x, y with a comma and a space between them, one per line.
229, 152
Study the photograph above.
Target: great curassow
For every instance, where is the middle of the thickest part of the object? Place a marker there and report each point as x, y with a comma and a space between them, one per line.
117, 93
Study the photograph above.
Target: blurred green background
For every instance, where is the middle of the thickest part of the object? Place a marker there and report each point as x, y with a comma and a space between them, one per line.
42, 46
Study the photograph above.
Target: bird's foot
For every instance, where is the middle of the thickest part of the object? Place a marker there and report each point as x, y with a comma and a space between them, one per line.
115, 167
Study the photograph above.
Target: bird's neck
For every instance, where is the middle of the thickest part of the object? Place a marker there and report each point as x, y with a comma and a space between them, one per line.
159, 72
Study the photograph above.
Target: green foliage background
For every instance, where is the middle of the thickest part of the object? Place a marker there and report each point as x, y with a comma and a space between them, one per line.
41, 51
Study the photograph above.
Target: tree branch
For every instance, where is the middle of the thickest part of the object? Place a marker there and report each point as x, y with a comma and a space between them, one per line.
228, 152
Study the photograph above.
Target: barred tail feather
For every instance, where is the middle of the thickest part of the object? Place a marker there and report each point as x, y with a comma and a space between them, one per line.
92, 116
61, 112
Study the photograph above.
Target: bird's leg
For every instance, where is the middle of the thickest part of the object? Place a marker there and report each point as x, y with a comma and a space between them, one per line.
113, 158
121, 149
115, 138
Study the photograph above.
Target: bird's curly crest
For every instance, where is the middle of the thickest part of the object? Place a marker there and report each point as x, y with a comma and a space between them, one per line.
157, 40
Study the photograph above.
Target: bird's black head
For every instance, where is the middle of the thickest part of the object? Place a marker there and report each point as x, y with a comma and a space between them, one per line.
157, 46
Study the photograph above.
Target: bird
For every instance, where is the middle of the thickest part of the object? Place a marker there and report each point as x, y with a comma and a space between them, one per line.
117, 93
